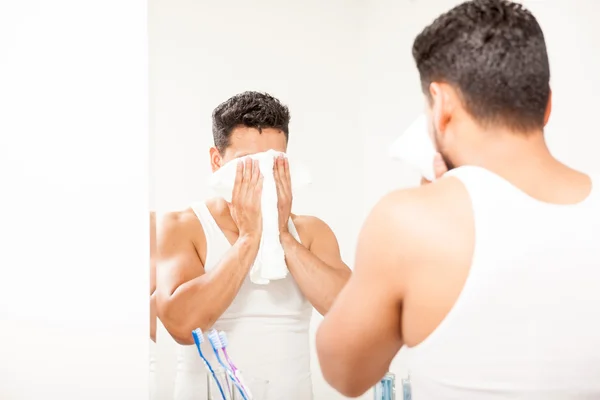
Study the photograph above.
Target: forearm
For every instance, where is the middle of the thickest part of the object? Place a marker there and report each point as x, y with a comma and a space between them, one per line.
320, 283
153, 300
153, 316
349, 369
350, 362
200, 302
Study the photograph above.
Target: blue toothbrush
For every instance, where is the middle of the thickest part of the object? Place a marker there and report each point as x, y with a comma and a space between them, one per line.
215, 341
198, 339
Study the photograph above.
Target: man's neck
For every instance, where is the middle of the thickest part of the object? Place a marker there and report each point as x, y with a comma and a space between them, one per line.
526, 162
508, 154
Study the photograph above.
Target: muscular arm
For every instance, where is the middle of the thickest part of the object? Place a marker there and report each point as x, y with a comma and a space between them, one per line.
408, 244
187, 296
361, 334
319, 270
153, 276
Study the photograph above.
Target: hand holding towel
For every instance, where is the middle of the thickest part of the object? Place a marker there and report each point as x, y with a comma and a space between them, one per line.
270, 261
415, 148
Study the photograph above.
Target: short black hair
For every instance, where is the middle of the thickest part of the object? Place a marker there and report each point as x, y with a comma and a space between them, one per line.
251, 109
494, 53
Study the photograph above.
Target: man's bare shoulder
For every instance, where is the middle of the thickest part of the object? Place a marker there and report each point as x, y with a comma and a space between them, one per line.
425, 216
183, 224
415, 229
427, 203
310, 227
307, 222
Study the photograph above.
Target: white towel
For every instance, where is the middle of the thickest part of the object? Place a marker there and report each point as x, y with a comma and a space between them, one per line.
415, 148
270, 261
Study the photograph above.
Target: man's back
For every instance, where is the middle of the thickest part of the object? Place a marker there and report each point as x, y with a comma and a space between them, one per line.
492, 285
508, 298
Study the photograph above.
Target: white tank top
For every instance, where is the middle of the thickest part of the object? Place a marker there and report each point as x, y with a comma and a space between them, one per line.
527, 323
267, 330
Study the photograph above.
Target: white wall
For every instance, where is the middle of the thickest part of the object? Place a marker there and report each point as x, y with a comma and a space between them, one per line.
305, 54
73, 211
345, 69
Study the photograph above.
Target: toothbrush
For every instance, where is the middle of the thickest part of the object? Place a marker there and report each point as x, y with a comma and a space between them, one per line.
215, 341
236, 372
198, 339
213, 338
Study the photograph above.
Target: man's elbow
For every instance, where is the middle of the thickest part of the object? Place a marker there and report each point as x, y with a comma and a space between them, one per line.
351, 390
178, 323
179, 329
343, 380
344, 274
337, 369
180, 333
346, 386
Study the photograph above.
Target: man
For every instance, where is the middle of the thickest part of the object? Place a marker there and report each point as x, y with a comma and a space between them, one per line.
205, 254
489, 275
153, 276
152, 355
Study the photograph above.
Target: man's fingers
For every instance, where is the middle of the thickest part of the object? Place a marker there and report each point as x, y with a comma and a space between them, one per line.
246, 177
247, 170
288, 177
276, 172
439, 169
257, 192
239, 173
439, 166
280, 172
255, 172
278, 185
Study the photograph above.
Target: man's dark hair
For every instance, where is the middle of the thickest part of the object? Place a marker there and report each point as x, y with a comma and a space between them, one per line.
493, 52
250, 109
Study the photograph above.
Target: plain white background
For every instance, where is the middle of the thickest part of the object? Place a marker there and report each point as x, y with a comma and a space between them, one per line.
74, 233
74, 159
345, 70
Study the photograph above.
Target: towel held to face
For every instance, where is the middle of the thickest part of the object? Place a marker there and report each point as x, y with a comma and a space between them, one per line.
415, 148
270, 260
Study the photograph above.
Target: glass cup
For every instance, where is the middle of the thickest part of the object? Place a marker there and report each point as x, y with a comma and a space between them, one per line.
221, 391
406, 389
258, 389
386, 388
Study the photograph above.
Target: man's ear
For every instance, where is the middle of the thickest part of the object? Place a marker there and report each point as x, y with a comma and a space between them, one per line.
442, 105
216, 160
548, 109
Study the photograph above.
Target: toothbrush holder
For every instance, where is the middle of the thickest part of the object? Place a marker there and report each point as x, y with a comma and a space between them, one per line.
386, 388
